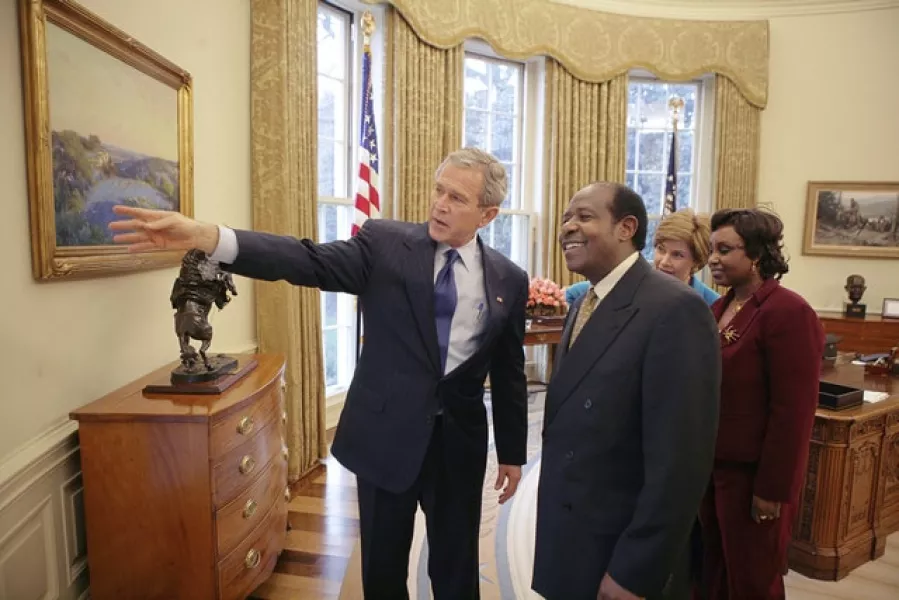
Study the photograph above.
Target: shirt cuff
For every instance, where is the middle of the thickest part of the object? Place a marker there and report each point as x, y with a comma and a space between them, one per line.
226, 250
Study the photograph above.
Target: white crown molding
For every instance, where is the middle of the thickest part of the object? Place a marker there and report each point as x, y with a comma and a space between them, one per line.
730, 10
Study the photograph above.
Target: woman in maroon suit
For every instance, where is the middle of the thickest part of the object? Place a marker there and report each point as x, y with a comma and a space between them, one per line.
771, 345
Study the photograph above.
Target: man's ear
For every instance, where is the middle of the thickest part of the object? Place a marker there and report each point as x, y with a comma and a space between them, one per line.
627, 228
488, 215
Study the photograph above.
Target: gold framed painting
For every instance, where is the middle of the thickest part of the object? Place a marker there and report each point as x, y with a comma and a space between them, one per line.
852, 219
107, 121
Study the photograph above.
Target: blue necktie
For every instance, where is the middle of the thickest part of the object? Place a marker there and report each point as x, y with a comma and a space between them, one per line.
445, 304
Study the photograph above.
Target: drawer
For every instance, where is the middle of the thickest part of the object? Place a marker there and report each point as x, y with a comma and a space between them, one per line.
240, 516
241, 425
253, 560
240, 468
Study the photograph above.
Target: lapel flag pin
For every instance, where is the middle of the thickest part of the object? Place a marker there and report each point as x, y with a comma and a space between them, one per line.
499, 299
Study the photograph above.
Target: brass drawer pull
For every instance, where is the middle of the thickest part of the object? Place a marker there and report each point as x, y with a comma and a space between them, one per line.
284, 451
287, 493
245, 426
252, 559
247, 464
284, 417
249, 509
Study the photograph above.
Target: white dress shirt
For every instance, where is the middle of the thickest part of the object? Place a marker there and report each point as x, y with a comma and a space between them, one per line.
605, 285
470, 318
226, 250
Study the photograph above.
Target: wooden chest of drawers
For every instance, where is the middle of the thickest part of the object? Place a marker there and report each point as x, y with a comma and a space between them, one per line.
868, 336
185, 497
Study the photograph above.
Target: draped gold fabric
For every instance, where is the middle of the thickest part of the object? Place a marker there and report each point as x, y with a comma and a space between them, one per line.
426, 119
283, 106
587, 144
737, 140
597, 46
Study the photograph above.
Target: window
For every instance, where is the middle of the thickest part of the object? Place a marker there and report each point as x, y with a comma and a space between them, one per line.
649, 136
335, 204
493, 96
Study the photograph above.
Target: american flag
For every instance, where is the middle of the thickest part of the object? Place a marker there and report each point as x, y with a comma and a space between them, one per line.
670, 204
368, 199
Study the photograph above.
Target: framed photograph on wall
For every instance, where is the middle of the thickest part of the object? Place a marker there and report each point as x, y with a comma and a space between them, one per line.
107, 121
852, 219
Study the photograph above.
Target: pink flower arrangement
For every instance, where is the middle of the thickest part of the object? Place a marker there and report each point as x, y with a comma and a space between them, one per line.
545, 298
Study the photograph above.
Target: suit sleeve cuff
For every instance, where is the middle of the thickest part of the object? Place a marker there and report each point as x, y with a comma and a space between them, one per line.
226, 250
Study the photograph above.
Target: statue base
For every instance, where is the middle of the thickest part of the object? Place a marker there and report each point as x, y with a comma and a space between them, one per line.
225, 372
854, 311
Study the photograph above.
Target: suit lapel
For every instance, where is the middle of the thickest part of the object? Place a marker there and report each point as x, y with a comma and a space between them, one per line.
599, 333
419, 268
562, 348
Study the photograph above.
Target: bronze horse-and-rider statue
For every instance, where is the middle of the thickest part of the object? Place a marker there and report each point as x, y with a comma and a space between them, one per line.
200, 284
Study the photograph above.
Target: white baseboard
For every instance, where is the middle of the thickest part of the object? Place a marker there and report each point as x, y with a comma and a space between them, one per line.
43, 550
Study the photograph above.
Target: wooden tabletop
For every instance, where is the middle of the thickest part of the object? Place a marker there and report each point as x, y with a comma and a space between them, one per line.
854, 376
130, 401
538, 334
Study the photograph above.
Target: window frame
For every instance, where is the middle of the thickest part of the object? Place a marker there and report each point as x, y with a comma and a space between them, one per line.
526, 117
346, 331
702, 175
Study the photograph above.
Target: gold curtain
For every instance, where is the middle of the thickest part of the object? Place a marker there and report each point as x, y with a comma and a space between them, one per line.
284, 131
588, 128
597, 46
426, 119
737, 139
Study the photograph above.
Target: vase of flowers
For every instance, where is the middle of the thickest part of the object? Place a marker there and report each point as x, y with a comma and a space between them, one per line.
546, 301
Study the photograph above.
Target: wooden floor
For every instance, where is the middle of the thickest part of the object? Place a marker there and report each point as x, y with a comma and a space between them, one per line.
323, 517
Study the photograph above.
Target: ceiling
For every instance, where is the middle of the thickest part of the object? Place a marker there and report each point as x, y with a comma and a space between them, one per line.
730, 9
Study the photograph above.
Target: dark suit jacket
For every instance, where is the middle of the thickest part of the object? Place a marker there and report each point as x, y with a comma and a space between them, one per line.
629, 435
769, 392
398, 387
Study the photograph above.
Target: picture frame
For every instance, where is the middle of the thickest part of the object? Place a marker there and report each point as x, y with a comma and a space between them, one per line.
107, 121
890, 308
856, 219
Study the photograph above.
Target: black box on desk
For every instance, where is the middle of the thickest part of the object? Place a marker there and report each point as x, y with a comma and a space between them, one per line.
834, 396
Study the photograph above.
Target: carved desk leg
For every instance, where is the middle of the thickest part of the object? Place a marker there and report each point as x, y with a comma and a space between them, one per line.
886, 519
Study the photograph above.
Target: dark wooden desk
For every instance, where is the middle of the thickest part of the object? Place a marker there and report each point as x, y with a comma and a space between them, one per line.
869, 335
850, 500
542, 334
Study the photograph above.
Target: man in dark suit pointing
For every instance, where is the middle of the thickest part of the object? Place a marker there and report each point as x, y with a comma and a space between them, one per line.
631, 415
442, 311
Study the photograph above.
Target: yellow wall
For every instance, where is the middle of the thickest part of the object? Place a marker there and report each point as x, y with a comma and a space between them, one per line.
832, 115
67, 343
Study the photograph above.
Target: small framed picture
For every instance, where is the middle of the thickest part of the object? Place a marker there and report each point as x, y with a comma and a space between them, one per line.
890, 308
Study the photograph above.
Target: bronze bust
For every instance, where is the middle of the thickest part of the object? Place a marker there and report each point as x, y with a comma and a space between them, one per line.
855, 286
200, 284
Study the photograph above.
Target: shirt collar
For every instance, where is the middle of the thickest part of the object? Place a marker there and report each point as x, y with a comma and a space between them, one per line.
608, 283
468, 252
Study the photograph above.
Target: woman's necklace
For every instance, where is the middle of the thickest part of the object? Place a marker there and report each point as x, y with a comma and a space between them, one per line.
729, 332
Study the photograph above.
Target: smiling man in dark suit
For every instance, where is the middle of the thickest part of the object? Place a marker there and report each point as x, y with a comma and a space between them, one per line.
631, 415
442, 311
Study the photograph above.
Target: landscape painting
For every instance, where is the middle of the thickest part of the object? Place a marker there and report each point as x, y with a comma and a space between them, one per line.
118, 118
852, 219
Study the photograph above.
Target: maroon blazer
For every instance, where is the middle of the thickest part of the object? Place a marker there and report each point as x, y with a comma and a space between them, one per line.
771, 365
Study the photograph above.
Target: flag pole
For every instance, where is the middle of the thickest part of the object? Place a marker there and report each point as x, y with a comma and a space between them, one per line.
368, 29
669, 194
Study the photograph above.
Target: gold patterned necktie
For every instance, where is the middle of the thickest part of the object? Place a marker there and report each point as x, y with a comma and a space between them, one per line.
583, 314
